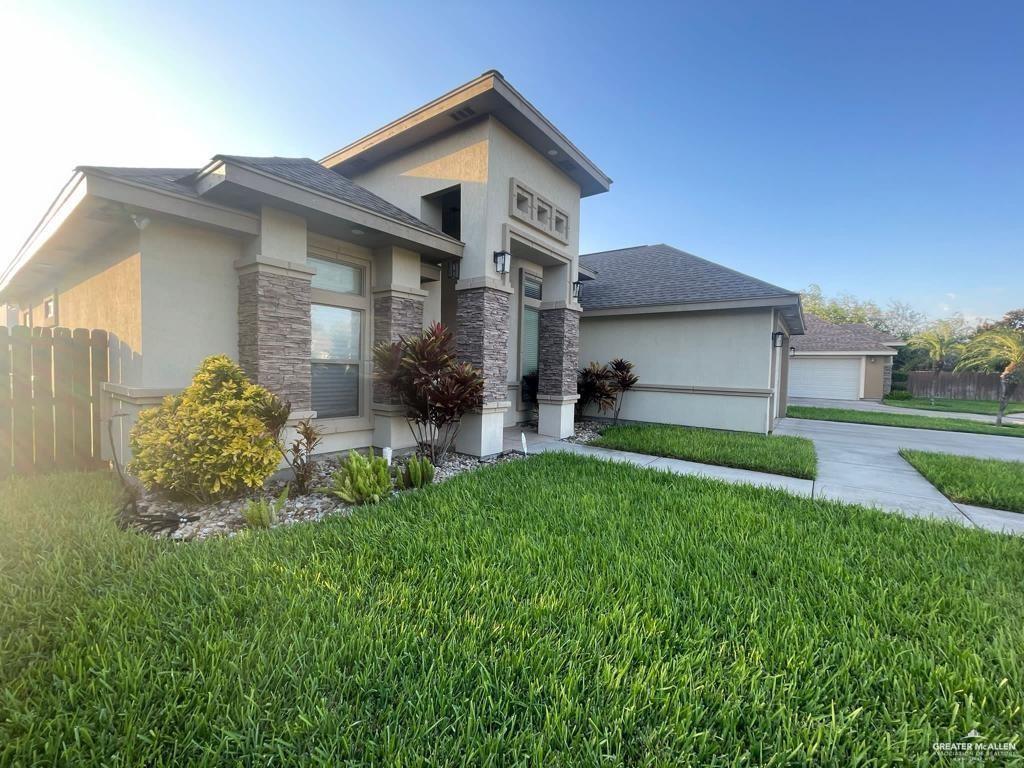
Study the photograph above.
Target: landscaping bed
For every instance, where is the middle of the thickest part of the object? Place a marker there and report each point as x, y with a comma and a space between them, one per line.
557, 610
910, 420
778, 454
982, 482
983, 407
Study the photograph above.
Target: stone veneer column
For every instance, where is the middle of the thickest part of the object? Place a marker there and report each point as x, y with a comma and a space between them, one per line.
394, 315
482, 313
558, 360
274, 327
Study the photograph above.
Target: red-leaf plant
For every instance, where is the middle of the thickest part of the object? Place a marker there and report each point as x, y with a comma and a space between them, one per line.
433, 386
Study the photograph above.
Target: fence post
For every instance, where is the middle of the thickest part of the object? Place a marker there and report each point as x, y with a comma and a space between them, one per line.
82, 417
42, 396
98, 349
64, 435
5, 402
21, 389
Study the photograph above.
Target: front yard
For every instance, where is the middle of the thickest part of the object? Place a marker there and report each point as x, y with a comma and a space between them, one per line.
914, 421
982, 482
778, 454
554, 610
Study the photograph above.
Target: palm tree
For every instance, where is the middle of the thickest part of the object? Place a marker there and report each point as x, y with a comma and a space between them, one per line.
940, 342
1002, 349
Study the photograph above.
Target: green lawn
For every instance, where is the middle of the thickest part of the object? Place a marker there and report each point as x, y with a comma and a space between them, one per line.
779, 454
552, 611
984, 407
983, 482
903, 420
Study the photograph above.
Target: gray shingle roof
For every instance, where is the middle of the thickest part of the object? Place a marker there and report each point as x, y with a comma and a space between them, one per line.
823, 336
297, 170
310, 174
649, 275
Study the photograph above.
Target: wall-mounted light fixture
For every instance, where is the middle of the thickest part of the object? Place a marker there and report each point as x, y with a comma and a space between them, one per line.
777, 338
792, 351
576, 286
502, 262
454, 268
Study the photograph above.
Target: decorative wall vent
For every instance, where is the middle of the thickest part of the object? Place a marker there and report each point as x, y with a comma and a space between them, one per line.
461, 114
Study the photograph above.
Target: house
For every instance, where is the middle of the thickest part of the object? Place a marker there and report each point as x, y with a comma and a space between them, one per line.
464, 211
709, 343
841, 361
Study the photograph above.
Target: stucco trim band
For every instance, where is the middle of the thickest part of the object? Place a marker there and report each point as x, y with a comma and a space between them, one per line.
697, 390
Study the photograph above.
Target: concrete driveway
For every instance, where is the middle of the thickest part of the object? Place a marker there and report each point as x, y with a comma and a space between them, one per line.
860, 463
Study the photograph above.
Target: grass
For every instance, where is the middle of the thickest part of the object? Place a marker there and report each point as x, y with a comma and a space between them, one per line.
778, 454
983, 407
551, 611
982, 482
911, 420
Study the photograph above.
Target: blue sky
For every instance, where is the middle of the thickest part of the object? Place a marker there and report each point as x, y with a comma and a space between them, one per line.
873, 148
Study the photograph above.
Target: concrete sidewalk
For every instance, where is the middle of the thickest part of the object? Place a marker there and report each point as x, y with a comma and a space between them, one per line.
893, 487
877, 407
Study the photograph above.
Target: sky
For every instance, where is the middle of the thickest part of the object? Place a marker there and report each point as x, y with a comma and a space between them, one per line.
872, 148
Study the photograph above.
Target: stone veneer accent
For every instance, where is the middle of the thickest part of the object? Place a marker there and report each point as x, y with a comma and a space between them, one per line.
274, 334
482, 339
393, 316
559, 352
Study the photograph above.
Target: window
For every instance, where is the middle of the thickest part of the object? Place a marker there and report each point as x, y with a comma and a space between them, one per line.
526, 205
338, 338
26, 318
529, 337
49, 309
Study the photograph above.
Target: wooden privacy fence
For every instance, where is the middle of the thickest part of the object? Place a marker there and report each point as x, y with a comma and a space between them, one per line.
50, 398
956, 386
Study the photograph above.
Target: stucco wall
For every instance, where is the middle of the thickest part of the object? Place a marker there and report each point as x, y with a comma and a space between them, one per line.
874, 376
713, 351
189, 300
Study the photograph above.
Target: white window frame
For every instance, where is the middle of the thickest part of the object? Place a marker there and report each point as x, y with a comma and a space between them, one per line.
360, 302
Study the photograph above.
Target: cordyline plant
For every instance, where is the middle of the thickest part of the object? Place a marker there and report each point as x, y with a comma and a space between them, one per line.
435, 389
623, 379
1001, 349
595, 387
273, 412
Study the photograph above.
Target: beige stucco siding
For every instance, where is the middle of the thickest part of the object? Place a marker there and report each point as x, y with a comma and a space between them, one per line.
874, 371
190, 300
713, 351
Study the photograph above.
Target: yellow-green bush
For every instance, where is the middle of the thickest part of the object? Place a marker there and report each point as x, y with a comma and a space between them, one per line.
209, 442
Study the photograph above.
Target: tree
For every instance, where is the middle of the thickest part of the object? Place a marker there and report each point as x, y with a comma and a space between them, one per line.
1014, 320
941, 342
623, 379
898, 319
999, 349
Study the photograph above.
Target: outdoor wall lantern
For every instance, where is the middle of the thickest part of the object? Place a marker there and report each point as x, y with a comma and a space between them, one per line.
576, 286
454, 267
777, 338
792, 351
502, 262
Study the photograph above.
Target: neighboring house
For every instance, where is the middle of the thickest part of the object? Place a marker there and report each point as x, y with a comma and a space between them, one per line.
710, 344
464, 211
841, 361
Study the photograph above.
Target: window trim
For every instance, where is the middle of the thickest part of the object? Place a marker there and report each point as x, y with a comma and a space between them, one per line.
524, 303
531, 217
358, 302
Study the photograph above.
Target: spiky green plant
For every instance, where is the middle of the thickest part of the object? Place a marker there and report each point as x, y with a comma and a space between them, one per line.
417, 473
940, 343
263, 513
361, 479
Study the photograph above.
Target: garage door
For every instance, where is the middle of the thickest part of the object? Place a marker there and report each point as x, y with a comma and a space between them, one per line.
830, 378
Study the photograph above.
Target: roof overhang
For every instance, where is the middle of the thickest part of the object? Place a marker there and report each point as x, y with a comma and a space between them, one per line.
488, 94
789, 308
844, 353
241, 186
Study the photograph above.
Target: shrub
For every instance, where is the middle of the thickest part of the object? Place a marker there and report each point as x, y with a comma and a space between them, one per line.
594, 385
417, 473
360, 479
263, 513
435, 389
623, 379
899, 394
209, 442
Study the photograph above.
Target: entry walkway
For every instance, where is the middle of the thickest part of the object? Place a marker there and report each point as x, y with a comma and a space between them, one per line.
924, 501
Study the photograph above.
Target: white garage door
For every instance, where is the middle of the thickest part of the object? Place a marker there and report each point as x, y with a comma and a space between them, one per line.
831, 378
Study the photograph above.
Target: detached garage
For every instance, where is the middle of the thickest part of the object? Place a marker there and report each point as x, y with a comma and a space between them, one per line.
841, 361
